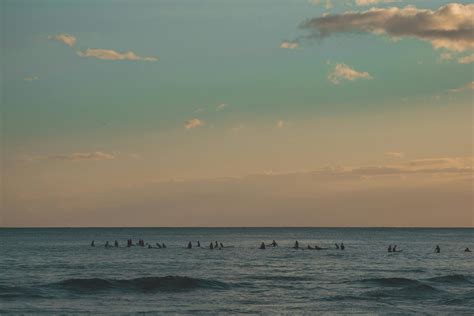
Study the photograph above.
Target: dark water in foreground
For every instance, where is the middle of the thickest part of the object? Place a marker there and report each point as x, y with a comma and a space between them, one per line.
55, 271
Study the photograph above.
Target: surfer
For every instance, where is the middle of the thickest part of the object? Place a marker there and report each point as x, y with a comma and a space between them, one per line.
437, 249
211, 246
199, 244
297, 245
309, 247
107, 245
158, 245
92, 244
467, 250
342, 246
337, 246
163, 245
274, 243
149, 247
389, 248
190, 245
262, 245
216, 245
394, 248
116, 244
319, 248
222, 246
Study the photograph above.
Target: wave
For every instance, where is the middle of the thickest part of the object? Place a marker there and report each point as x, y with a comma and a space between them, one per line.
453, 278
418, 291
392, 282
145, 284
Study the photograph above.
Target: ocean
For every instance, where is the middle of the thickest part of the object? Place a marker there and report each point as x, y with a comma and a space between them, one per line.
56, 271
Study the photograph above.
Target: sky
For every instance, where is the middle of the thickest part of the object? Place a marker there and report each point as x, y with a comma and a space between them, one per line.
237, 113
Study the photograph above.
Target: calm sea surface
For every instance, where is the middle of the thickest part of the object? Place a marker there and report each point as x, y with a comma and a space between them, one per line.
54, 271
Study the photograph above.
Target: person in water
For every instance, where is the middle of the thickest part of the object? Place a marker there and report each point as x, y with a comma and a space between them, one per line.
216, 245
297, 245
116, 244
262, 245
274, 243
211, 246
342, 246
337, 246
92, 244
107, 245
199, 244
163, 245
190, 245
149, 247
158, 245
221, 245
467, 250
309, 247
437, 249
394, 248
389, 248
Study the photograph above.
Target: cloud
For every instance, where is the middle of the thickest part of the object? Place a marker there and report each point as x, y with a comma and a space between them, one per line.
372, 2
31, 78
67, 39
192, 123
394, 154
466, 59
280, 124
97, 155
344, 72
449, 27
237, 128
109, 54
289, 45
468, 86
327, 3
221, 106
441, 162
445, 56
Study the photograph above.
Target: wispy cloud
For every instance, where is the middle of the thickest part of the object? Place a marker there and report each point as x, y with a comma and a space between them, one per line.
468, 86
68, 39
237, 128
31, 78
344, 72
394, 154
466, 59
221, 106
449, 27
373, 2
97, 155
109, 54
193, 123
289, 45
326, 3
445, 56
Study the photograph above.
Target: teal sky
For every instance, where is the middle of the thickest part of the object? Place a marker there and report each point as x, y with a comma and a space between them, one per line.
281, 111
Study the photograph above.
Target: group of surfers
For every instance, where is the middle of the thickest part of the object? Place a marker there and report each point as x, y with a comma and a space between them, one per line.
220, 245
141, 243
216, 245
297, 246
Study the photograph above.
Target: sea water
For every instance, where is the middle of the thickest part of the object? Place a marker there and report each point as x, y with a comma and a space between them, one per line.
55, 271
